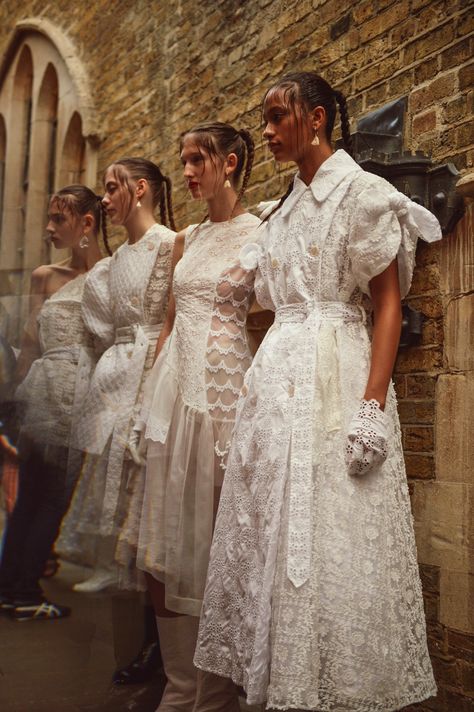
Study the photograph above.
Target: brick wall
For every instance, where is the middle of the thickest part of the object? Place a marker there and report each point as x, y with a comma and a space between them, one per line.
155, 68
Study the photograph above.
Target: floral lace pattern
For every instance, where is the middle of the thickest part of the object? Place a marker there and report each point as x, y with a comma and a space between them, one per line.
313, 598
227, 353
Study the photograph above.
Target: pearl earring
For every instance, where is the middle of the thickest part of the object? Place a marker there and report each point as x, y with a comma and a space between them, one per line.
84, 242
139, 205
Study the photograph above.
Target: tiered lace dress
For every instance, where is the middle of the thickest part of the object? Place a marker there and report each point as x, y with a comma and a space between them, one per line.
47, 394
124, 305
313, 599
189, 409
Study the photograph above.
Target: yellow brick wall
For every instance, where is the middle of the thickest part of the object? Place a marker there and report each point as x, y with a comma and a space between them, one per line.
155, 68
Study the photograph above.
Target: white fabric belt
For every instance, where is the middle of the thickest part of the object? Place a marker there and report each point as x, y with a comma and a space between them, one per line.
316, 363
300, 311
128, 334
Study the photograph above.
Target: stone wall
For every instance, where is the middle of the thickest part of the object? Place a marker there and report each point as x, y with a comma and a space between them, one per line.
156, 68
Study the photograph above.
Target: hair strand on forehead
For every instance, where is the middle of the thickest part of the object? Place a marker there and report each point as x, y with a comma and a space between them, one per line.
219, 140
160, 185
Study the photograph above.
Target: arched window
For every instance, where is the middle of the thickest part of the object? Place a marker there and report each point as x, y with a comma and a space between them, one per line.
17, 158
73, 153
42, 164
51, 124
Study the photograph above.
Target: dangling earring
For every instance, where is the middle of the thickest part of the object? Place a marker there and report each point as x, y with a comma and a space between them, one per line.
315, 141
227, 182
84, 242
139, 205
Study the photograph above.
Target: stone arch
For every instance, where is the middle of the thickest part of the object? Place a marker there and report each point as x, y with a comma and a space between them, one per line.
68, 52
47, 106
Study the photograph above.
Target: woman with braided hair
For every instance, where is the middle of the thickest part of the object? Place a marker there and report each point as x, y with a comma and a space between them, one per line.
313, 598
188, 413
55, 353
124, 307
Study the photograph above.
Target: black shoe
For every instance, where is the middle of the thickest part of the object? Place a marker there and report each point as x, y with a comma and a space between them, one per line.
42, 610
142, 669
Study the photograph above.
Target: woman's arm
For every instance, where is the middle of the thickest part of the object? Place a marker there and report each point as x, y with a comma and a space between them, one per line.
30, 346
170, 314
385, 294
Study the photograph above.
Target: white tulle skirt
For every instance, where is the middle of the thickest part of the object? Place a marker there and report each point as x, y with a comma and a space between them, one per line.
184, 474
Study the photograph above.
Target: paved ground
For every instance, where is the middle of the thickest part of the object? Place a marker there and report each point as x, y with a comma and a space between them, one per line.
66, 665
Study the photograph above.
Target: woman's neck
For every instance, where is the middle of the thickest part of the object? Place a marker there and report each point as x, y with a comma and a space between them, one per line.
82, 259
138, 224
224, 205
310, 163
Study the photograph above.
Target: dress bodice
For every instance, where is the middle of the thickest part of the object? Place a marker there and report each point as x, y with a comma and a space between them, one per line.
60, 320
331, 237
212, 293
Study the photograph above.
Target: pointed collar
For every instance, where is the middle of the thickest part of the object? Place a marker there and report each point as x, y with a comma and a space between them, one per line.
328, 176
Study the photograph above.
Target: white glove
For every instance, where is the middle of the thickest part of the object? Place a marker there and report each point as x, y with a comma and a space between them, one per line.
366, 447
137, 447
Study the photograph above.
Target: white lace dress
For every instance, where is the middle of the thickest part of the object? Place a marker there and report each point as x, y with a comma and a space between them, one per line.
313, 599
124, 306
47, 394
189, 409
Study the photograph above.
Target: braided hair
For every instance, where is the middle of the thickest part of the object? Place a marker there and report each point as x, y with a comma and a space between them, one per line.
308, 90
80, 200
219, 139
160, 185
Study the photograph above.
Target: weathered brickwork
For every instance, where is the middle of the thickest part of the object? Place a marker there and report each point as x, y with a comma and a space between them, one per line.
157, 68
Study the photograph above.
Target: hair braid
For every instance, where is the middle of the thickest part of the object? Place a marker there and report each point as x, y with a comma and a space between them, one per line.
345, 125
281, 201
103, 224
169, 202
163, 207
248, 140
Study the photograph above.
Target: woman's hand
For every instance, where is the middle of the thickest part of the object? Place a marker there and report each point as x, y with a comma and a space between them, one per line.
137, 447
366, 447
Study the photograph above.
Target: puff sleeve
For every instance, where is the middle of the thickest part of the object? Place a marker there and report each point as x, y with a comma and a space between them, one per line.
387, 224
97, 306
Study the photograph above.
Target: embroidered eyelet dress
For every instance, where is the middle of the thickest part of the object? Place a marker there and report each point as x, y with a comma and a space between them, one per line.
47, 393
124, 306
313, 599
189, 408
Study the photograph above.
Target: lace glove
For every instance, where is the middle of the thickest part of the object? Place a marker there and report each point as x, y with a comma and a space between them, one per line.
366, 446
137, 447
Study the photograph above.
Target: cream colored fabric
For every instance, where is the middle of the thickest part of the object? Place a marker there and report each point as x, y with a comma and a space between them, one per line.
313, 599
189, 409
